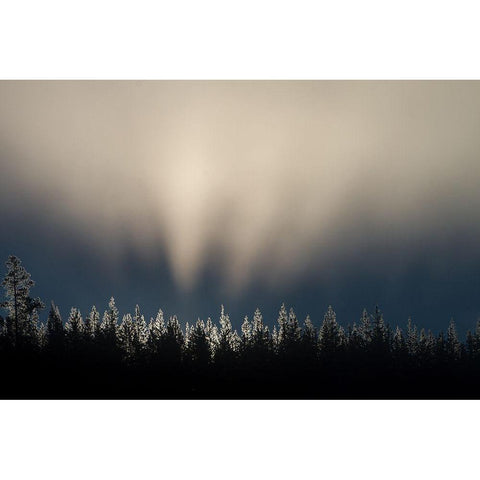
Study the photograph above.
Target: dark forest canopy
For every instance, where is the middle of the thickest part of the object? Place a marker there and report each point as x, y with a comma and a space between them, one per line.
113, 356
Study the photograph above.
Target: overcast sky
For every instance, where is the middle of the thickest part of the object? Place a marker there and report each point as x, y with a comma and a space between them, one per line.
183, 195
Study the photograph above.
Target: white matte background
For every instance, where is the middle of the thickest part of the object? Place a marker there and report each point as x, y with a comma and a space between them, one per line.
238, 40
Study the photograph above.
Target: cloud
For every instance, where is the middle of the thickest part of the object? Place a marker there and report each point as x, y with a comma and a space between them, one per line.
260, 179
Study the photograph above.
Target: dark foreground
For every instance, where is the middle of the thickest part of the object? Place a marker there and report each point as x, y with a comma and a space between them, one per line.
89, 358
44, 377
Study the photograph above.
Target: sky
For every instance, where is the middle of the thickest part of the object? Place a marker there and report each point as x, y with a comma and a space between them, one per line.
186, 195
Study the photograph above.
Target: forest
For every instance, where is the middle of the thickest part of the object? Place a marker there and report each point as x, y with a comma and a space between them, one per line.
108, 356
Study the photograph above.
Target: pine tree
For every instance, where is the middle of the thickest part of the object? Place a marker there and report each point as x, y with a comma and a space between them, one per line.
42, 336
356, 340
141, 332
226, 348
309, 334
260, 338
109, 325
19, 305
412, 338
275, 340
246, 329
198, 346
309, 341
30, 330
431, 345
74, 330
156, 332
423, 353
292, 334
329, 336
440, 348
342, 338
211, 331
453, 346
92, 323
399, 346
246, 340
380, 334
55, 330
475, 342
188, 335
171, 348
126, 336
365, 330
282, 327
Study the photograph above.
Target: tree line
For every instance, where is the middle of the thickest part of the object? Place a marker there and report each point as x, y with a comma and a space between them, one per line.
108, 355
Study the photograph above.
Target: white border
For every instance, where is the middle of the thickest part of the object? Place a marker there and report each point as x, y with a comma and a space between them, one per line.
274, 39
239, 440
238, 40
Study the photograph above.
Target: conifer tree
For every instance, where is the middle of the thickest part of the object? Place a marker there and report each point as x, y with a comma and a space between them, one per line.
141, 332
187, 336
126, 336
422, 351
225, 352
412, 338
92, 323
55, 330
470, 345
399, 345
309, 341
246, 339
74, 330
329, 336
19, 305
211, 332
342, 338
282, 327
475, 341
309, 334
440, 348
275, 340
453, 346
171, 348
198, 347
109, 325
292, 333
140, 325
156, 332
365, 330
431, 345
42, 336
260, 338
356, 340
380, 334
31, 330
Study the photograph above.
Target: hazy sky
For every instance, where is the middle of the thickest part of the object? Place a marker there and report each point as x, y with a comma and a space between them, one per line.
186, 194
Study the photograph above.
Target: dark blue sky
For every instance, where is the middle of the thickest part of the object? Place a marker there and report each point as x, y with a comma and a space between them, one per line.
434, 287
187, 195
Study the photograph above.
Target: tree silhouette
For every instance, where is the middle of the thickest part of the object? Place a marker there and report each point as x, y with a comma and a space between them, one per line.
108, 338
92, 324
228, 343
453, 346
75, 330
55, 331
20, 306
209, 359
330, 339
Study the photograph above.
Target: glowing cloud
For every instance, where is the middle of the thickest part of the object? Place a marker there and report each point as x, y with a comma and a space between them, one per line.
256, 178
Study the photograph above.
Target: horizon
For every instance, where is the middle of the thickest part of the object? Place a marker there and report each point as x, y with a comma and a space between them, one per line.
185, 195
